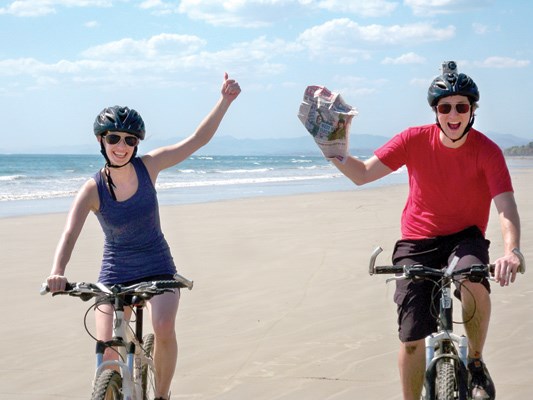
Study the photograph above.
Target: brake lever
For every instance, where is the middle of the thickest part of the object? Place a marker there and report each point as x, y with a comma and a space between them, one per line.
396, 278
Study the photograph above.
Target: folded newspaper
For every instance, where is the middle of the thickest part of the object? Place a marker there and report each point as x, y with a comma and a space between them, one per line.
328, 119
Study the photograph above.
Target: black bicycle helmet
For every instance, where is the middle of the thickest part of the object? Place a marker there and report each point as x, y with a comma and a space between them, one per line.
452, 83
122, 119
117, 119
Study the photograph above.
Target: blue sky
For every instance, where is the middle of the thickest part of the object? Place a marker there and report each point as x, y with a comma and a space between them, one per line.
62, 61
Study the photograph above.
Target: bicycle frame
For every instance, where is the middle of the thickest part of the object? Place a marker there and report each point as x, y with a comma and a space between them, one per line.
446, 344
129, 348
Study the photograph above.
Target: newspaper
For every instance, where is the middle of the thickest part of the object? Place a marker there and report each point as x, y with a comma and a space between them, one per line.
327, 118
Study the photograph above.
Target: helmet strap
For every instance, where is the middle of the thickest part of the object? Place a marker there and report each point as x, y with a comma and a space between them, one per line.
110, 182
108, 165
467, 129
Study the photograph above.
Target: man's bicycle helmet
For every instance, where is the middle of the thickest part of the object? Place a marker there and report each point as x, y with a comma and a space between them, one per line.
121, 119
452, 83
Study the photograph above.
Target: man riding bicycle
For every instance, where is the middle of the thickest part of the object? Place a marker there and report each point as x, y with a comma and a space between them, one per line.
454, 173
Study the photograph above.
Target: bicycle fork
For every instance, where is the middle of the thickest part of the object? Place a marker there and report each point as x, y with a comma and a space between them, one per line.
443, 345
129, 362
446, 331
436, 340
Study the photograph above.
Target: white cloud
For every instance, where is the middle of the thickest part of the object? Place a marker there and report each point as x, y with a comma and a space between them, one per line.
174, 52
27, 9
261, 13
37, 8
153, 61
161, 45
365, 8
353, 87
502, 62
258, 56
147, 4
344, 37
435, 7
408, 58
39, 74
237, 13
11, 67
159, 7
479, 29
91, 24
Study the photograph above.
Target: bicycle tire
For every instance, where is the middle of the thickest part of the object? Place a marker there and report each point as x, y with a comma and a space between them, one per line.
108, 386
445, 381
148, 376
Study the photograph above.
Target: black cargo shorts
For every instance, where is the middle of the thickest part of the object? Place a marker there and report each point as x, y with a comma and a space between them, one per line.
418, 301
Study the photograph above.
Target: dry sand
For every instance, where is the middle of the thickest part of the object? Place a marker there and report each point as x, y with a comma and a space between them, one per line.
282, 308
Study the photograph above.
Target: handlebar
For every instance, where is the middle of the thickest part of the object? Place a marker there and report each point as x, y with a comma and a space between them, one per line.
410, 271
86, 290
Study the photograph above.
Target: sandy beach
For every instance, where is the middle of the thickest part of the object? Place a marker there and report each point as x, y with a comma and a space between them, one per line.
282, 308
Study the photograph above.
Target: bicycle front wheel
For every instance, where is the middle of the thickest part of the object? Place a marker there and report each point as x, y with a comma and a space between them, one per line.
148, 373
108, 386
445, 381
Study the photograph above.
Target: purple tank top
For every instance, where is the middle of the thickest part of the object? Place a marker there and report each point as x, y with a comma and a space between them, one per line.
134, 246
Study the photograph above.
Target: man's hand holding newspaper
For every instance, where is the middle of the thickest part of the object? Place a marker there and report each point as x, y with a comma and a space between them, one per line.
328, 119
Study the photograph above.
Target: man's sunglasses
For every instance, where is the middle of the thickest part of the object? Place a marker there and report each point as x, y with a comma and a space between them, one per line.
131, 141
446, 108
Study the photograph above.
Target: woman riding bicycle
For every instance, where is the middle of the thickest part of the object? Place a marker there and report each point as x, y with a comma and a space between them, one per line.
123, 197
454, 173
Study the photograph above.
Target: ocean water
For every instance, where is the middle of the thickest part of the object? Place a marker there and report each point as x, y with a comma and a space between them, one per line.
34, 184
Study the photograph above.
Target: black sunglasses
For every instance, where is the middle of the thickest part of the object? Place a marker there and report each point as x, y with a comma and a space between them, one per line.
131, 141
446, 108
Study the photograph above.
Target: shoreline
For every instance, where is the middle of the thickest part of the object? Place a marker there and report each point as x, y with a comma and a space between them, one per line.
207, 194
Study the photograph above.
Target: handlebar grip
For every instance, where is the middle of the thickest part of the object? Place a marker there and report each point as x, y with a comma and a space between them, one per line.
184, 281
45, 289
178, 282
388, 269
169, 284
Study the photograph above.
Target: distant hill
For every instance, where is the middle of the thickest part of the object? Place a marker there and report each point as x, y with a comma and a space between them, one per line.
360, 144
227, 145
520, 151
506, 141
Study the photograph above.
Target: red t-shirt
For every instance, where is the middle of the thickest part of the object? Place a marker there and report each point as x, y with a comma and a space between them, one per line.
449, 189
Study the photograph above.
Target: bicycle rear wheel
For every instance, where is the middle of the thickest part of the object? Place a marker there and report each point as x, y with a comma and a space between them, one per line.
108, 386
148, 373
